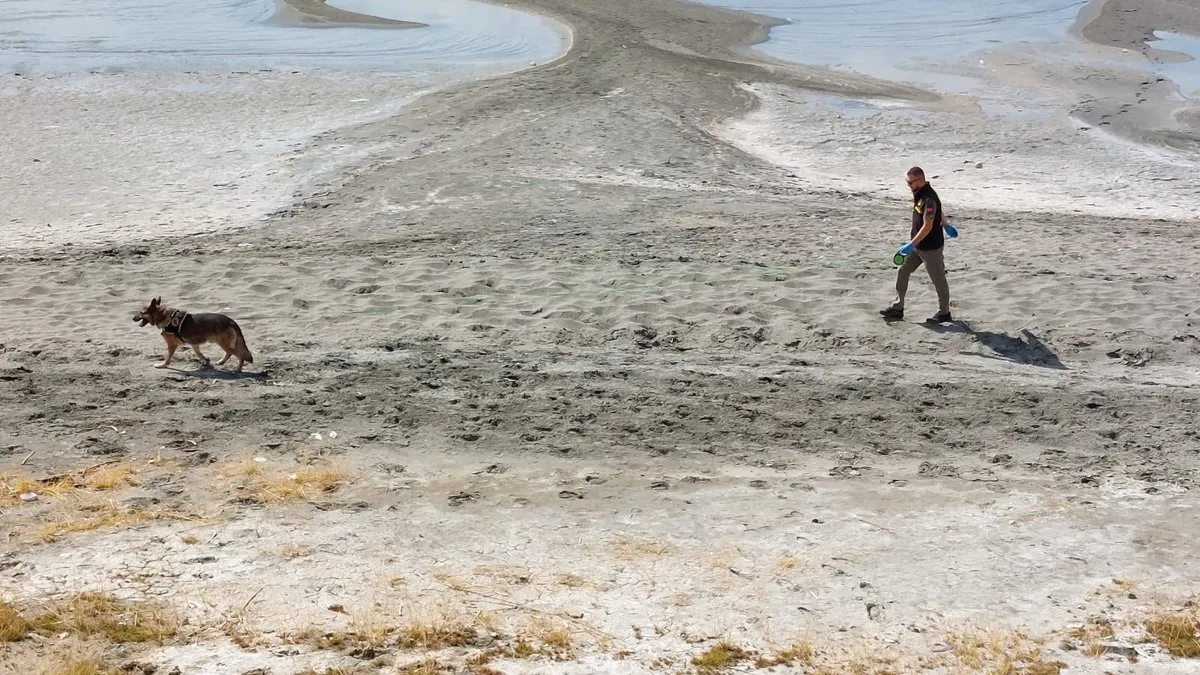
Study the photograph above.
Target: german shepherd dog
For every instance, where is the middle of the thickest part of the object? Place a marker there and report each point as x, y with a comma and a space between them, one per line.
184, 328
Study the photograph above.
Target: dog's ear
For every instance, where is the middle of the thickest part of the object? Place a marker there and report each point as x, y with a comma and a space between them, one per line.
154, 302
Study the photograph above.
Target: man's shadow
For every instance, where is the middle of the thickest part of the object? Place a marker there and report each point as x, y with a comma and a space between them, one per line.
1027, 350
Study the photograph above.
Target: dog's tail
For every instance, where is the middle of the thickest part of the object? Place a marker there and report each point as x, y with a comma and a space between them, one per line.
243, 352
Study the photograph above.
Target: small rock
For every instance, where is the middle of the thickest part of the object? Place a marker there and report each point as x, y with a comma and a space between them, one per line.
1121, 650
978, 165
29, 497
460, 498
569, 494
340, 609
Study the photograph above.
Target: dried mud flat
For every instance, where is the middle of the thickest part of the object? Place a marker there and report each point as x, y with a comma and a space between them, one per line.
563, 379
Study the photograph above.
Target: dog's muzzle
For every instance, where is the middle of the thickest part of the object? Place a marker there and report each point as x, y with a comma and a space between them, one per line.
139, 317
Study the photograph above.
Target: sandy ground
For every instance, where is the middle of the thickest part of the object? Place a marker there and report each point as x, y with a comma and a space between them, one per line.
580, 366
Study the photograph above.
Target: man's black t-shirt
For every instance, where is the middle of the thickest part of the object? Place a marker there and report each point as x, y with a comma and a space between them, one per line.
927, 204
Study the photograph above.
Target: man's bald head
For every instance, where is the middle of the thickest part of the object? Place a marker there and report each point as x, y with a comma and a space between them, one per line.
916, 179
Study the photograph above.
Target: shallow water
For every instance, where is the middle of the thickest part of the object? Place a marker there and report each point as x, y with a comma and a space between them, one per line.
901, 40
118, 35
1187, 73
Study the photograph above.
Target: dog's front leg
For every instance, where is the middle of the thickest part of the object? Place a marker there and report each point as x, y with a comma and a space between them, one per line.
172, 345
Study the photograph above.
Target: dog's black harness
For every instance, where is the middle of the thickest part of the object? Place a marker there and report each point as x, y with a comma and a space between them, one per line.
175, 323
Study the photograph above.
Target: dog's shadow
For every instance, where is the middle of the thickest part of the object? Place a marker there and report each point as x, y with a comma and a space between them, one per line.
208, 371
1026, 350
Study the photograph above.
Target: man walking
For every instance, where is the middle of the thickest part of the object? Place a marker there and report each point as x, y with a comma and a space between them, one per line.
925, 248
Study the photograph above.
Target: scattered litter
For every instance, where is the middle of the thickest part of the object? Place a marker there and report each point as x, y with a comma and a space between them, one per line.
315, 436
333, 434
261, 460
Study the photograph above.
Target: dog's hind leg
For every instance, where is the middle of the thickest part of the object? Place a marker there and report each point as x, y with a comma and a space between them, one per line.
200, 355
172, 345
228, 342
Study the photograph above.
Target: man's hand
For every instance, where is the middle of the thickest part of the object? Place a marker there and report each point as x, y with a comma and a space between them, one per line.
907, 249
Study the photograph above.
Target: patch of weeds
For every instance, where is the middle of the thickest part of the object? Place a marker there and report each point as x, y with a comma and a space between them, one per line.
1000, 653
1090, 634
434, 635
785, 564
13, 625
110, 476
799, 654
13, 485
301, 484
82, 667
370, 633
119, 621
94, 517
720, 658
1177, 632
1093, 629
92, 615
97, 479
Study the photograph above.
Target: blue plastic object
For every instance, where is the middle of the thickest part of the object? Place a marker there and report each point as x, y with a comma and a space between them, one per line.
951, 231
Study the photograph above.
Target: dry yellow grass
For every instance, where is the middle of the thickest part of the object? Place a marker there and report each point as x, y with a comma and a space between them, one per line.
98, 479
1177, 632
110, 476
15, 484
720, 658
999, 653
93, 518
91, 615
301, 483
13, 625
434, 635
786, 563
102, 615
91, 666
799, 654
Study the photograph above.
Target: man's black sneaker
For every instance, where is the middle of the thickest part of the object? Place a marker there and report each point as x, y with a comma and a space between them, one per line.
892, 313
940, 317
